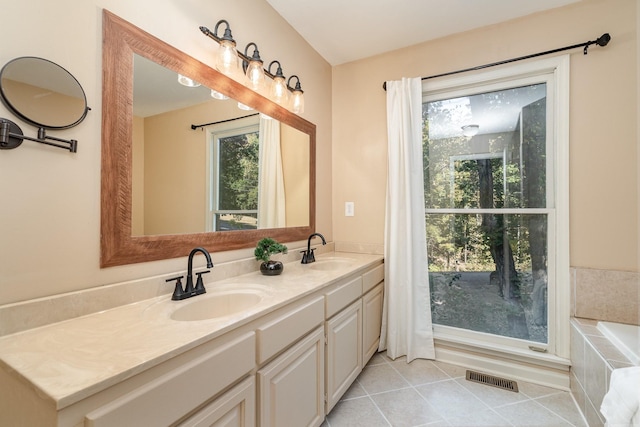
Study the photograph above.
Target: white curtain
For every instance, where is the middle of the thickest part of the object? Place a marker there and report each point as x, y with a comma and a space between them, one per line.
271, 197
406, 323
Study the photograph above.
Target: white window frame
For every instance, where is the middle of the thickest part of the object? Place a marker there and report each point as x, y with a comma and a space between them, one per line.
215, 133
555, 72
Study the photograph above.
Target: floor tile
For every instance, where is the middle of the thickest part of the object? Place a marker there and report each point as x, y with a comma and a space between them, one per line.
451, 399
379, 378
419, 371
530, 413
405, 408
435, 394
355, 413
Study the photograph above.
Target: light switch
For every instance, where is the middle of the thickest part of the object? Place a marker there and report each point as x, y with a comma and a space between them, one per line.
349, 209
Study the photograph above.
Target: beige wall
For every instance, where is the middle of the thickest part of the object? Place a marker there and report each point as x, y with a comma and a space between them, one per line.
603, 128
50, 233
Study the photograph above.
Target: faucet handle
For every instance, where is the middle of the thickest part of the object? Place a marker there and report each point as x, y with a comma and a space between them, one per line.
199, 284
178, 292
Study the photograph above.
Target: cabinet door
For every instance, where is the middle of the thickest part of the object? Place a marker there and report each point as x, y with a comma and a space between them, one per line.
371, 321
235, 408
344, 352
291, 387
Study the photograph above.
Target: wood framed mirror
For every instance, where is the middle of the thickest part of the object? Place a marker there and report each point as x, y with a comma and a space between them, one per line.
120, 244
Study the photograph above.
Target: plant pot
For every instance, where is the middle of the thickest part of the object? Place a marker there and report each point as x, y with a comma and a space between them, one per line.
271, 268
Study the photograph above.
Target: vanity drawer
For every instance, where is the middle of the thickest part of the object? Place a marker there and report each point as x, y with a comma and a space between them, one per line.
371, 278
342, 296
288, 327
167, 398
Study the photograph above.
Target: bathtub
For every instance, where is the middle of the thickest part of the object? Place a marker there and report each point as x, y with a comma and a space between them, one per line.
626, 338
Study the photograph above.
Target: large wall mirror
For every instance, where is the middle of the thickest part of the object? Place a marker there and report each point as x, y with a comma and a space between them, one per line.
181, 169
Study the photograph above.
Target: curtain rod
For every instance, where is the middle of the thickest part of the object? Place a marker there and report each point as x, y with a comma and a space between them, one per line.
194, 127
603, 40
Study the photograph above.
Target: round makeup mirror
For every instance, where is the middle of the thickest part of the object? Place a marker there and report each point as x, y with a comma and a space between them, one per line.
42, 93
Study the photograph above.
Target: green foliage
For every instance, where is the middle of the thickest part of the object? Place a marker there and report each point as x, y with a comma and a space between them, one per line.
267, 247
239, 172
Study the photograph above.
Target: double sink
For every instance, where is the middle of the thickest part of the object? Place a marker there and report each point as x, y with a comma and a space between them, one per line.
218, 303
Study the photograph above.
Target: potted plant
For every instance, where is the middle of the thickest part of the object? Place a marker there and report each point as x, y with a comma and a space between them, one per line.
264, 249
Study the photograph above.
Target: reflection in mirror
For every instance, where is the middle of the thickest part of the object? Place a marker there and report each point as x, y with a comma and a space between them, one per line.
129, 192
243, 170
42, 93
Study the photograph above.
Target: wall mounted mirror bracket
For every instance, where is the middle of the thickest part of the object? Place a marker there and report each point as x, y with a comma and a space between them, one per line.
11, 136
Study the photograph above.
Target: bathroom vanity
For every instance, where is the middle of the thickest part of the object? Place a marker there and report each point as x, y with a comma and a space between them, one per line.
253, 350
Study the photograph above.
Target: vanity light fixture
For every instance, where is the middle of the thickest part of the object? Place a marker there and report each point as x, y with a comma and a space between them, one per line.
470, 130
254, 69
279, 92
297, 96
227, 55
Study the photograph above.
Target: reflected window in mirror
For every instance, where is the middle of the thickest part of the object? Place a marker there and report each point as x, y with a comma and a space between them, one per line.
232, 164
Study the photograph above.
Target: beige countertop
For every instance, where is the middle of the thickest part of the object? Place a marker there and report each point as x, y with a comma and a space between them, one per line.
71, 360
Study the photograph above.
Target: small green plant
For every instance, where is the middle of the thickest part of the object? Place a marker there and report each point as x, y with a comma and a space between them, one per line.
267, 247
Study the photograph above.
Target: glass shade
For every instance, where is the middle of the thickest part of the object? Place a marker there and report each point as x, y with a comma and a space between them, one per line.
255, 76
279, 92
217, 95
227, 58
297, 102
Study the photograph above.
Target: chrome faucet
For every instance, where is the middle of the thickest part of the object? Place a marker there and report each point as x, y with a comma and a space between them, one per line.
189, 290
308, 256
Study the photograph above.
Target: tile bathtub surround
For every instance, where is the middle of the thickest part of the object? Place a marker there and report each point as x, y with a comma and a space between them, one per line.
608, 295
31, 314
431, 393
593, 358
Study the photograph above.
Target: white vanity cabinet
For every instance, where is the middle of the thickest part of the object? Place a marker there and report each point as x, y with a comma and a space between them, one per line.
291, 387
183, 389
372, 289
344, 352
235, 408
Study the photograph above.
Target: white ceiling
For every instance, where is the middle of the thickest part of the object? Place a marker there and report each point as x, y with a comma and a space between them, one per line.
347, 30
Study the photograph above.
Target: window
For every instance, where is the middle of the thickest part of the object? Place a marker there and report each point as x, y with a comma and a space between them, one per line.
233, 178
498, 263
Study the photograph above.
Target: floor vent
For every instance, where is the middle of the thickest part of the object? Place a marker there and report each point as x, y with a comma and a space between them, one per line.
492, 381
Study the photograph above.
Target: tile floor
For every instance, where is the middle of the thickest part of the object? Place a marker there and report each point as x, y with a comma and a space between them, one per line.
436, 394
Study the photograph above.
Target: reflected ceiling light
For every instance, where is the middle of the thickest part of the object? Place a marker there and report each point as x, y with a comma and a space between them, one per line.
253, 69
217, 95
297, 96
244, 107
186, 81
470, 130
279, 93
227, 55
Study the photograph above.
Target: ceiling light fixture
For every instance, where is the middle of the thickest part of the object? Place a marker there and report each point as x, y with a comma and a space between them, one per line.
470, 130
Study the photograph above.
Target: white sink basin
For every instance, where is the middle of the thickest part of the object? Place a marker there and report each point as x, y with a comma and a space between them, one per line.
331, 264
216, 305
